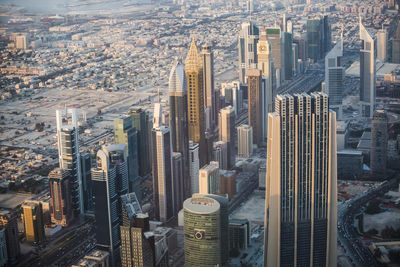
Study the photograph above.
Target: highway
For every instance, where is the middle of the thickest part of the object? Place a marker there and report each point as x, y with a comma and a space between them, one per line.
359, 254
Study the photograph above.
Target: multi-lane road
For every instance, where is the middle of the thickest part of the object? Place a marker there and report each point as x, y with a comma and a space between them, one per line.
354, 248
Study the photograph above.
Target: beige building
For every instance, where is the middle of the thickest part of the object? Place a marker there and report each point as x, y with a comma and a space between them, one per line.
301, 201
226, 125
245, 141
209, 179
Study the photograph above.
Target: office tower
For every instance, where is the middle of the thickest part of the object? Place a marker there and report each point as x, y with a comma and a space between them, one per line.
125, 133
194, 166
33, 221
209, 178
163, 189
287, 56
228, 183
60, 192
202, 232
227, 132
220, 154
265, 61
178, 180
334, 75
382, 43
250, 6
245, 140
194, 76
327, 35
110, 181
379, 142
295, 58
318, 37
247, 45
8, 221
233, 95
367, 72
239, 234
255, 105
68, 153
302, 44
223, 222
301, 183
140, 121
86, 166
274, 38
178, 108
137, 243
3, 247
207, 57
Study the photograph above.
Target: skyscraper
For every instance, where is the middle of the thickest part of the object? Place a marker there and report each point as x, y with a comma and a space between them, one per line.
178, 180
125, 133
318, 37
110, 181
334, 75
379, 142
140, 121
178, 108
3, 247
194, 76
274, 38
68, 153
202, 233
220, 154
287, 56
396, 46
255, 105
382, 45
8, 221
137, 244
33, 221
223, 222
209, 179
301, 183
227, 132
163, 189
265, 60
245, 140
247, 44
194, 166
295, 53
86, 166
207, 57
367, 72
60, 192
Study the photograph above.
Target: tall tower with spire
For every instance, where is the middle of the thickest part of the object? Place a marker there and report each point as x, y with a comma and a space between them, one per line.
194, 76
178, 119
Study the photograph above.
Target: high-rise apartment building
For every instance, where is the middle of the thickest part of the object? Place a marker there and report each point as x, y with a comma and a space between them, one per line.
137, 243
33, 221
140, 121
125, 133
379, 143
86, 166
178, 120
382, 45
247, 45
220, 154
163, 189
60, 192
110, 181
194, 166
202, 232
227, 132
334, 76
367, 72
68, 153
245, 140
301, 183
8, 221
194, 76
209, 179
207, 57
255, 91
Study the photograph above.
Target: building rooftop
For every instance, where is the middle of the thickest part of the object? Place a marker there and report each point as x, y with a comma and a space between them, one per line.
201, 205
